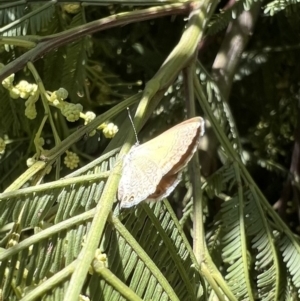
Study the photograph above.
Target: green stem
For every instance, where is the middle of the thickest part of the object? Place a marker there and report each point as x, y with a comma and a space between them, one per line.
46, 233
145, 259
194, 168
50, 283
117, 284
26, 17
176, 61
47, 43
44, 98
242, 231
233, 155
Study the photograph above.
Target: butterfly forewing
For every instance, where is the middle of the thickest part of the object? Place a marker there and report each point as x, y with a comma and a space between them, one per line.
186, 140
170, 147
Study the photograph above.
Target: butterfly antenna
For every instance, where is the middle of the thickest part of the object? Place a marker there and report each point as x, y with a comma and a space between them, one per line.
135, 133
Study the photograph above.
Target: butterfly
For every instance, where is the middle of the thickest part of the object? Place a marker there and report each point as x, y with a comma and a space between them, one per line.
152, 170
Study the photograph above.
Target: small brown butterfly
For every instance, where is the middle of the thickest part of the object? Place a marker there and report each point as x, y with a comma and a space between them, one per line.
152, 170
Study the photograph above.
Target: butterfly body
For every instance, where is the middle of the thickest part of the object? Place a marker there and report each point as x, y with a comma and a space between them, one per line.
152, 170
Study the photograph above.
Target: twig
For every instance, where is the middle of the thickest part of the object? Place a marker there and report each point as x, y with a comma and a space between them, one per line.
51, 42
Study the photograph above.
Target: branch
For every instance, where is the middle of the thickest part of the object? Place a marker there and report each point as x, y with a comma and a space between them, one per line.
235, 41
51, 42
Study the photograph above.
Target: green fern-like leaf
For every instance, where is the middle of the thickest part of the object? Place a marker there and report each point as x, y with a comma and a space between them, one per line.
11, 14
220, 180
220, 21
291, 256
266, 263
74, 74
36, 19
61, 212
29, 206
234, 252
220, 107
276, 6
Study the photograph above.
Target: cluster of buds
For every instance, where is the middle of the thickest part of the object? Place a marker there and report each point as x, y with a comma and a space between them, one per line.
109, 129
88, 117
70, 110
23, 90
71, 160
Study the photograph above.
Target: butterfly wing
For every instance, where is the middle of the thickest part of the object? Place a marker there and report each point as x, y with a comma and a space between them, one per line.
151, 170
165, 186
173, 149
140, 177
